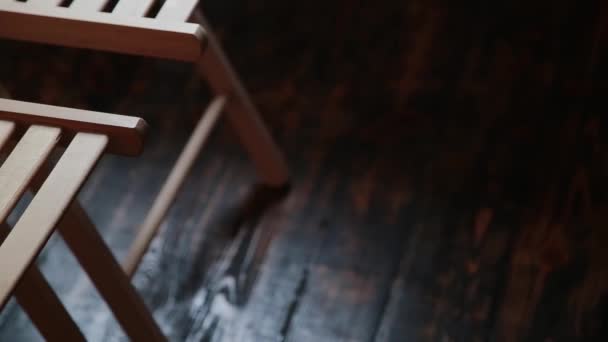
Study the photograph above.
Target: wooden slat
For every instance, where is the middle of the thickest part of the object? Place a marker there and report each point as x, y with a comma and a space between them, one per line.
43, 3
177, 10
126, 133
108, 277
174, 182
101, 31
84, 6
97, 260
41, 304
133, 8
23, 163
6, 129
44, 308
38, 221
242, 113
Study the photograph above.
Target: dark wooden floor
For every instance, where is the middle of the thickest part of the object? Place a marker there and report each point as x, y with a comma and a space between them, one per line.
449, 175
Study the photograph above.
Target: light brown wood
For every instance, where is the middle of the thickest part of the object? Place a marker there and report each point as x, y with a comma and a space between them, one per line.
101, 31
133, 8
81, 236
43, 3
94, 30
167, 194
31, 289
108, 277
214, 66
41, 304
38, 221
243, 115
177, 10
22, 164
44, 308
6, 130
126, 133
88, 5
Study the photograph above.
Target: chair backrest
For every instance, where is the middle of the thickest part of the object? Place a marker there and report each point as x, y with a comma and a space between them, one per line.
38, 129
124, 29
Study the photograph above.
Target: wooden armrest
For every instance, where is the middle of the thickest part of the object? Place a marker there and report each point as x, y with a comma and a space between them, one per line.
125, 133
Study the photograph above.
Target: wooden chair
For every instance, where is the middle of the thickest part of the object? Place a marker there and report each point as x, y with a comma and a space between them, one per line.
38, 130
126, 29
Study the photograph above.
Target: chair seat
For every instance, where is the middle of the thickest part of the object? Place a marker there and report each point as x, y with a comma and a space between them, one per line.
124, 30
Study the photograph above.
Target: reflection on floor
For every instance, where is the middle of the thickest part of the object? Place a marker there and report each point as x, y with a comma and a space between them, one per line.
449, 176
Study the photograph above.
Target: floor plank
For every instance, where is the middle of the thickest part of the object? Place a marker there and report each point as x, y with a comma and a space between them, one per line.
449, 176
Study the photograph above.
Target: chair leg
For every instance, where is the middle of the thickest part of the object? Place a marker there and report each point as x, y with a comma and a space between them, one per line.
97, 260
45, 310
241, 112
41, 304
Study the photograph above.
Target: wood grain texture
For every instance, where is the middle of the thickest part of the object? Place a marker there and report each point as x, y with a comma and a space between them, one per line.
81, 235
98, 262
175, 180
101, 31
242, 113
449, 175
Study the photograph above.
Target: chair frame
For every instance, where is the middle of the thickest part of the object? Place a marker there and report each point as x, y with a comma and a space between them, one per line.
53, 207
126, 30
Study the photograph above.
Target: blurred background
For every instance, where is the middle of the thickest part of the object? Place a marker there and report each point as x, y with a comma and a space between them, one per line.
449, 163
